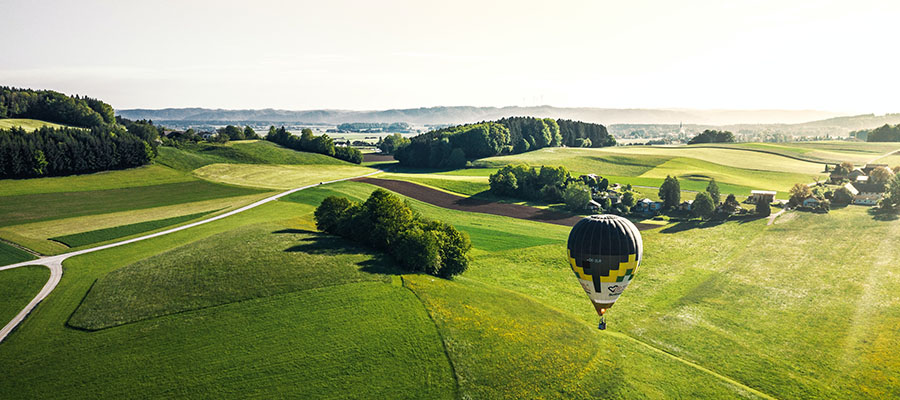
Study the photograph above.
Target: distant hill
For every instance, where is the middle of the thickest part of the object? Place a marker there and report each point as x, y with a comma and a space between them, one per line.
467, 114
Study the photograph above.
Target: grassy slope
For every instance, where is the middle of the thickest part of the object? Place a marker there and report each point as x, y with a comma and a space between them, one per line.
21, 209
193, 277
736, 171
18, 286
241, 152
143, 176
34, 235
277, 176
102, 235
11, 255
27, 124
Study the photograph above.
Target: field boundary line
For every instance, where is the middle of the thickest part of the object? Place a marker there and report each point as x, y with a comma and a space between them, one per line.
692, 364
440, 335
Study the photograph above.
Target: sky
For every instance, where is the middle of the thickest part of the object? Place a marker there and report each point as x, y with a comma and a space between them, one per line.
752, 54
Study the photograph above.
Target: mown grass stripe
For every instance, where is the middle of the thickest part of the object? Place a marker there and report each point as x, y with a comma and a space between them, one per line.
11, 254
102, 235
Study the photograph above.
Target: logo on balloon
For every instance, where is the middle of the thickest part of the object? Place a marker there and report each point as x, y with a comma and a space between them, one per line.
615, 290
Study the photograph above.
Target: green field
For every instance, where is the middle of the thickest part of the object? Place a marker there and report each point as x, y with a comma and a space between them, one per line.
278, 177
259, 305
18, 286
102, 235
241, 152
21, 209
191, 277
736, 171
11, 254
144, 176
27, 124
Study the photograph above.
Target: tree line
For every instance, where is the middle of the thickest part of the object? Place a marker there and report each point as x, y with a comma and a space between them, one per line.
387, 223
313, 144
68, 151
884, 133
451, 147
51, 106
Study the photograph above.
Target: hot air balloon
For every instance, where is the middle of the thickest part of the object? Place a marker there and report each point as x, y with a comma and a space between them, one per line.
604, 252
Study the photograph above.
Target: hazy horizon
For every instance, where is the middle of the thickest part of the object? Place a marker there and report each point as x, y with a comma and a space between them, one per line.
696, 55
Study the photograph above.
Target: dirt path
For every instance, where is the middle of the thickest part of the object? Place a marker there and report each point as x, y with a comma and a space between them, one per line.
55, 262
469, 204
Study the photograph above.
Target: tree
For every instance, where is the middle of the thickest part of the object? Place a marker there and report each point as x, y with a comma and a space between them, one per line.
842, 196
763, 208
504, 183
847, 166
799, 193
577, 196
893, 192
628, 199
331, 212
391, 143
880, 176
713, 190
670, 192
731, 204
703, 206
249, 133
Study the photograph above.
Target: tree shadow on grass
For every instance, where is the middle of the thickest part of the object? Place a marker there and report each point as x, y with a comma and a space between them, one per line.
691, 224
880, 214
323, 244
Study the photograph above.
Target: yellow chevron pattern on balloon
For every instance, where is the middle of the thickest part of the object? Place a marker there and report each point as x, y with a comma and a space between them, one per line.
578, 270
626, 270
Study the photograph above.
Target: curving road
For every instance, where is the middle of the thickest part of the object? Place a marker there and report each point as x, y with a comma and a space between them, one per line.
54, 263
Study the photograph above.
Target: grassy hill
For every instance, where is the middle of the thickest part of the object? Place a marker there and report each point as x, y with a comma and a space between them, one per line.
229, 176
27, 124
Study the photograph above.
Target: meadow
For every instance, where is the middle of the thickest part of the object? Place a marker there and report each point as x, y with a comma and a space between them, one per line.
102, 235
191, 157
11, 254
22, 209
19, 285
26, 124
258, 304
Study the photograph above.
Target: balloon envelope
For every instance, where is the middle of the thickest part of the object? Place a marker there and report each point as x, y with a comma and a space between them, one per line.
604, 252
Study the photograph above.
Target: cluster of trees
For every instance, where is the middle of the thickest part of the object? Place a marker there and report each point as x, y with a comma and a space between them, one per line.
713, 136
313, 144
387, 223
67, 151
670, 192
545, 184
47, 105
884, 133
451, 147
232, 132
583, 134
389, 144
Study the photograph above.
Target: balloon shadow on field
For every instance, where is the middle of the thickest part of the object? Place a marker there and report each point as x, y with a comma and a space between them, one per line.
323, 244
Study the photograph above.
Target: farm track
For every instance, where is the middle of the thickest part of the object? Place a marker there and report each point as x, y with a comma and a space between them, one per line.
471, 204
54, 263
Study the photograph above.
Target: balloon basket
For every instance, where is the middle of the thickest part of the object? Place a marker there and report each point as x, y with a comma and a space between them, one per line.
602, 325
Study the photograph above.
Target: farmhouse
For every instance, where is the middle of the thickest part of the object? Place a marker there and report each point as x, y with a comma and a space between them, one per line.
761, 195
856, 173
594, 206
871, 167
686, 205
810, 202
647, 205
866, 194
